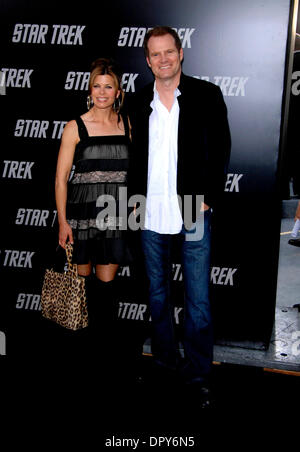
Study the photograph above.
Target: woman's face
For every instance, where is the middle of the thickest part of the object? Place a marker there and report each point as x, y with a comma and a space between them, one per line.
104, 91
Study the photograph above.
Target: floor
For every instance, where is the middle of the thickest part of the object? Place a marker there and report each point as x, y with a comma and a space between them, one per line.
284, 348
288, 286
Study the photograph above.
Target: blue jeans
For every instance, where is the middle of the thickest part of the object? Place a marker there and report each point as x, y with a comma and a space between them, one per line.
198, 335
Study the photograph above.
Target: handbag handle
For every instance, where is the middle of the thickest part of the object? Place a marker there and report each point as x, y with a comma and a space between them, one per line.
72, 268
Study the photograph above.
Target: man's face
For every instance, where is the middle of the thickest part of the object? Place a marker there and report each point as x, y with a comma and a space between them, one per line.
164, 58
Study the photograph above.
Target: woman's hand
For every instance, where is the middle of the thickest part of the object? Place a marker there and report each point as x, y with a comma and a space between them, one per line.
204, 207
65, 234
297, 214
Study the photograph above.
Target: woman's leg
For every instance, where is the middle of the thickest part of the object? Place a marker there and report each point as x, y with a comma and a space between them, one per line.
104, 311
107, 272
105, 293
85, 269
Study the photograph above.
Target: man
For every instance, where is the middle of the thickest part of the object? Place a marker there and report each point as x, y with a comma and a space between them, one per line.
181, 145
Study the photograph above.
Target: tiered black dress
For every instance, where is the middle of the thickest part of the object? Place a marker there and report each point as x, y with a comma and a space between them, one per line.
101, 164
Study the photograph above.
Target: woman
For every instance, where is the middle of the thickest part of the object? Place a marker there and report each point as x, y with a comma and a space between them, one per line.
97, 143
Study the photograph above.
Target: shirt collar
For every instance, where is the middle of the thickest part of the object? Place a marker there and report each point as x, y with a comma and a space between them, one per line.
156, 94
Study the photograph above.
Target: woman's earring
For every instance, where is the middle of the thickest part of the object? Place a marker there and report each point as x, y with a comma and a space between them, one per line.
117, 104
89, 102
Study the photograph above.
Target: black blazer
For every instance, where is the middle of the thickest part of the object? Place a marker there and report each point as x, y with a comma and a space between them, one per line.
203, 140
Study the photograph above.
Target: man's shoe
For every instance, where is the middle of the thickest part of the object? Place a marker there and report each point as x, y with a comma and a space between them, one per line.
200, 394
205, 398
294, 242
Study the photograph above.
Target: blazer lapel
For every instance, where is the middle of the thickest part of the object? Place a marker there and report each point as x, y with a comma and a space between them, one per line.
182, 101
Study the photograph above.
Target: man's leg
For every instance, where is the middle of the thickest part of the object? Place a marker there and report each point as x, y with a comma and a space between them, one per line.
156, 249
198, 334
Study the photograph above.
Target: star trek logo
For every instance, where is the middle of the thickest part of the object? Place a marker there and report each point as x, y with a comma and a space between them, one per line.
44, 34
134, 36
28, 301
79, 81
15, 78
36, 128
230, 86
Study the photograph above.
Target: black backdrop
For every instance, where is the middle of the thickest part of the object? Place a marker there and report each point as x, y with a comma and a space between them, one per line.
45, 59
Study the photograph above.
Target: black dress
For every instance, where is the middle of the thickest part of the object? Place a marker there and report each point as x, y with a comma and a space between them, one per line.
94, 193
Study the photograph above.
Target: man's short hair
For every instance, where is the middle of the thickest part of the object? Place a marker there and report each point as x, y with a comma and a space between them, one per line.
161, 31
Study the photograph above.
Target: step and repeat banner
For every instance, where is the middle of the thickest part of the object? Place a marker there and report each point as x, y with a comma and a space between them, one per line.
290, 183
45, 61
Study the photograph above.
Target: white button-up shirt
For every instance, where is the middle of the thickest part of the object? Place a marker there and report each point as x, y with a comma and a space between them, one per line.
162, 208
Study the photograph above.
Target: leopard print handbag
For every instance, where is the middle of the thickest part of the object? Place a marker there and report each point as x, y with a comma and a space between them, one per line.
63, 298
